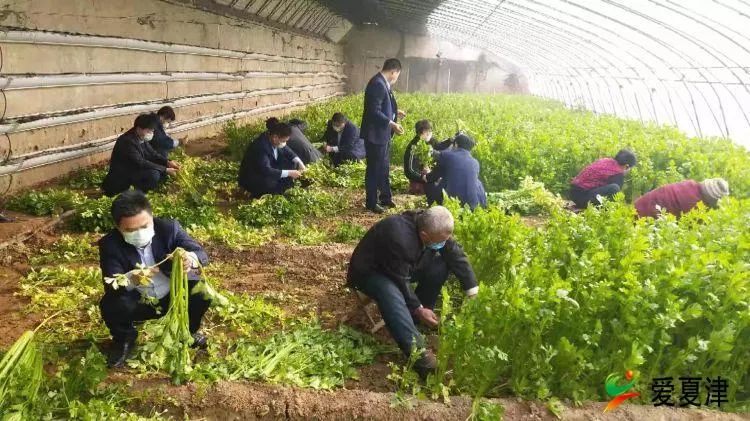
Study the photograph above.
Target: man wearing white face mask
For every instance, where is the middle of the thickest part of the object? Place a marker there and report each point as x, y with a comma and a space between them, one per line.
403, 249
342, 140
134, 162
142, 239
269, 165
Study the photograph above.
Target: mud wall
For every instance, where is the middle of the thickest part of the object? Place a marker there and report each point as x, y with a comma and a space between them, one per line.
75, 73
429, 64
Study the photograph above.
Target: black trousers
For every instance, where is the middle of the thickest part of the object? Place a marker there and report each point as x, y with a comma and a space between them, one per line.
143, 180
433, 193
121, 311
582, 198
377, 174
269, 185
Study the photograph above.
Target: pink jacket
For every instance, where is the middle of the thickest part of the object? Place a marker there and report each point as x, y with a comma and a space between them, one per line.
676, 199
597, 174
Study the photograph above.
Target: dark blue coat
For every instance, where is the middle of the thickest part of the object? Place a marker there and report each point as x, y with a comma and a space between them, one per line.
458, 172
380, 110
351, 146
260, 172
161, 142
118, 257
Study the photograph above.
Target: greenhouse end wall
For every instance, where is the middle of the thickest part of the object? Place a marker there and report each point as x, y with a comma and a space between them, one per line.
75, 74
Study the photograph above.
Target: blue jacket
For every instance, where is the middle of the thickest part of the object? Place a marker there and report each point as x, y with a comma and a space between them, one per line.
351, 146
380, 110
162, 142
458, 172
118, 257
259, 169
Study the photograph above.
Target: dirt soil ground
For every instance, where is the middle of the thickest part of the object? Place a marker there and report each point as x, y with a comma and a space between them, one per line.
252, 401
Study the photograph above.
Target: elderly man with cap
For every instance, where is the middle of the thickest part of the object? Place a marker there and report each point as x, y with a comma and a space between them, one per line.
457, 172
679, 198
412, 247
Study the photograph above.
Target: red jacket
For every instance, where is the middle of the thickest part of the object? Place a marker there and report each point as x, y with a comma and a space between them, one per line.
597, 174
676, 199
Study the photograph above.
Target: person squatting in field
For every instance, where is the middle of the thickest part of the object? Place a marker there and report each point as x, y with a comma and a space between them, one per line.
412, 247
342, 140
140, 238
135, 163
602, 179
682, 197
457, 173
269, 166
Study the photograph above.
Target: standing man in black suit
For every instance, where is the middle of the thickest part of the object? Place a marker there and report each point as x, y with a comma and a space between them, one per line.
379, 122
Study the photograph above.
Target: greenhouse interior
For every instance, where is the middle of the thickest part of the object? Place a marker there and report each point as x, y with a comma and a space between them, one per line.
375, 209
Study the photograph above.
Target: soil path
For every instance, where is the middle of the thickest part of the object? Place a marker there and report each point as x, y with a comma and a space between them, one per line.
252, 401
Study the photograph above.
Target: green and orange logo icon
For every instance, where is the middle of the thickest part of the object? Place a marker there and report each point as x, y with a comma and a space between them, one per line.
619, 392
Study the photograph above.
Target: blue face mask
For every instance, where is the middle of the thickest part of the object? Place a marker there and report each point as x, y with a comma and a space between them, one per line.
436, 246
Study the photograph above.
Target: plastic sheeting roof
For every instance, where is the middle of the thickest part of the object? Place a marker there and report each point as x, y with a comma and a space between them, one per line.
678, 62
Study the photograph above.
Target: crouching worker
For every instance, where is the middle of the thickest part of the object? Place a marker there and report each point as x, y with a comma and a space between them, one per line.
342, 140
401, 249
682, 197
602, 179
142, 239
298, 142
269, 165
162, 142
457, 172
134, 162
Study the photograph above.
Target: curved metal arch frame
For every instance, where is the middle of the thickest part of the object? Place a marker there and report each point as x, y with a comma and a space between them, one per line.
645, 63
653, 54
657, 41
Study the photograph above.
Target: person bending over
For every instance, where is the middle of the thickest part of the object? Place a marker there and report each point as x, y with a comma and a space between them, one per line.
414, 169
134, 163
602, 179
682, 197
457, 172
298, 142
342, 140
139, 238
269, 165
412, 247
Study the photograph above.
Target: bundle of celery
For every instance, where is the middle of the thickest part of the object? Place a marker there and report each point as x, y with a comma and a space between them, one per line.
170, 347
20, 377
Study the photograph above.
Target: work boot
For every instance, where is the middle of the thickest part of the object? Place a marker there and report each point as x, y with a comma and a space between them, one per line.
425, 365
388, 205
200, 341
4, 218
376, 209
120, 353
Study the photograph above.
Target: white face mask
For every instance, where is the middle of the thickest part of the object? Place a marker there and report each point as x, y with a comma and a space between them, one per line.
139, 238
281, 145
338, 129
148, 136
